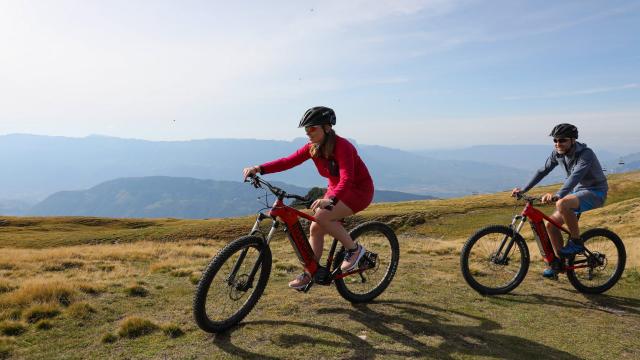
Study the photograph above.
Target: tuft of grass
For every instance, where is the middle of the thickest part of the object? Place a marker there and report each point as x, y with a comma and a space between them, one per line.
194, 278
172, 330
40, 292
109, 338
632, 275
44, 325
12, 328
81, 310
136, 290
6, 347
133, 327
39, 312
62, 266
181, 272
6, 286
91, 289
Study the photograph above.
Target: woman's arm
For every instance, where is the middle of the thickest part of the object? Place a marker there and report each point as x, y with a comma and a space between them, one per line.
286, 163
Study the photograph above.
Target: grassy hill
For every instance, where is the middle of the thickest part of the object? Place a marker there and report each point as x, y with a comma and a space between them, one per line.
86, 287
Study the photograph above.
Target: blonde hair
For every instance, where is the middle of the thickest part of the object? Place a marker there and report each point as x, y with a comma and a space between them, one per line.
325, 149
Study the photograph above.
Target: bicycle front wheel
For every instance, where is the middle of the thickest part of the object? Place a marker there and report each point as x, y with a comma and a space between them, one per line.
494, 260
604, 266
379, 239
225, 293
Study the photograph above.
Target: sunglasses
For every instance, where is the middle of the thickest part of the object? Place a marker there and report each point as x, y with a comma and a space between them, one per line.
311, 128
560, 141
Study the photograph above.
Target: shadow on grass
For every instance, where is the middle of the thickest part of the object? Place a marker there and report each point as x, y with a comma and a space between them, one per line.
223, 341
407, 329
601, 302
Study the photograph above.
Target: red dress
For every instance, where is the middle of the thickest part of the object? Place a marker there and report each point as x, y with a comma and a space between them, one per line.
352, 184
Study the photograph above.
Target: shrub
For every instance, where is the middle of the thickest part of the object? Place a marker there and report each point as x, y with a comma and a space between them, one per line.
134, 326
12, 328
172, 330
38, 312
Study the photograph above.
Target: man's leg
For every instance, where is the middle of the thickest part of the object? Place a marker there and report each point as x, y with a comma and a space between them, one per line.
554, 233
566, 207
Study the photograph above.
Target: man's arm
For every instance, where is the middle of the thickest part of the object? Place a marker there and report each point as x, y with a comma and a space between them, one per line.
549, 165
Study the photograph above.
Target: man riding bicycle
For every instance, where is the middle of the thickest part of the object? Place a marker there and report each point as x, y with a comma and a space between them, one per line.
585, 188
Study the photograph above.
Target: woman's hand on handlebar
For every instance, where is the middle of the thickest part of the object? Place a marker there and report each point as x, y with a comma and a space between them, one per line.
320, 204
250, 171
515, 192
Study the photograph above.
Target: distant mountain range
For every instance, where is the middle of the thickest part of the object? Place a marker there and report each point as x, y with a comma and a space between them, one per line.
162, 196
38, 166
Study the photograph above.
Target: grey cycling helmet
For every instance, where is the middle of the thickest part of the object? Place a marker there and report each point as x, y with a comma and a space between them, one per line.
318, 115
564, 130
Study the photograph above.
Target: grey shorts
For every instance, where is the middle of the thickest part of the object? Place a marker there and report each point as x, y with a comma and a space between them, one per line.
589, 200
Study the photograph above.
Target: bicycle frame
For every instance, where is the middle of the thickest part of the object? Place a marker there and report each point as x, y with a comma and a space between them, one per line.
290, 217
536, 219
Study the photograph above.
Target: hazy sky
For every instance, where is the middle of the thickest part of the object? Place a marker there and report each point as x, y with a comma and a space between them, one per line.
407, 74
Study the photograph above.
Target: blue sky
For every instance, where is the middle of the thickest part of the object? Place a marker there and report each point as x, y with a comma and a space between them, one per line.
406, 74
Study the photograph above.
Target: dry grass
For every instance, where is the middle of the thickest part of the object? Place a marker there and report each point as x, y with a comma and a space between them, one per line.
172, 330
12, 328
6, 286
136, 290
39, 291
134, 326
6, 346
38, 312
81, 310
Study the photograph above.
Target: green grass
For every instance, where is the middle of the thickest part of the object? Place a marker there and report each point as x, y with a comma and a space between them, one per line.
427, 312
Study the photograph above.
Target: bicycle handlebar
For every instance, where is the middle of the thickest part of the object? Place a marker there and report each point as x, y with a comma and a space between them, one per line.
257, 182
521, 196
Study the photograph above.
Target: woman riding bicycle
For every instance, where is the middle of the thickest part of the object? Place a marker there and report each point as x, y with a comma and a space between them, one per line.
350, 187
585, 188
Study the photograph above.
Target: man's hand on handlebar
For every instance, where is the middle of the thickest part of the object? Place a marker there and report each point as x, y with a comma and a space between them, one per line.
548, 198
515, 192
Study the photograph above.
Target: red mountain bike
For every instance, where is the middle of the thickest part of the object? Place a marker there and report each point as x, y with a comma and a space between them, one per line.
495, 259
236, 277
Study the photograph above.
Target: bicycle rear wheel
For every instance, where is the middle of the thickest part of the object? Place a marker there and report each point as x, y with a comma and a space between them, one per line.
605, 264
224, 295
377, 238
485, 265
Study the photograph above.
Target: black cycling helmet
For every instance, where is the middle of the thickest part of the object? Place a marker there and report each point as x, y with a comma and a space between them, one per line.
318, 115
564, 131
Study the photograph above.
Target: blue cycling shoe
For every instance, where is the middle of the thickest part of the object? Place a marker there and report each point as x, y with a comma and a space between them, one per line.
572, 248
549, 274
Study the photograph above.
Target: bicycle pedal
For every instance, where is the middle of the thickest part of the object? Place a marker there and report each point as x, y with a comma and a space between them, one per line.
306, 288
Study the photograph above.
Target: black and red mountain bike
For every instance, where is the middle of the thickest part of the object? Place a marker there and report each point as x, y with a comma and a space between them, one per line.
236, 277
495, 259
